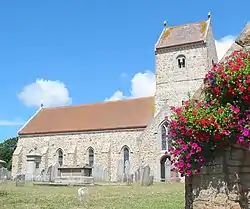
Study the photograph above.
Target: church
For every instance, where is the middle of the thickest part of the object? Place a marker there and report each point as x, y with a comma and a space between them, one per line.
104, 135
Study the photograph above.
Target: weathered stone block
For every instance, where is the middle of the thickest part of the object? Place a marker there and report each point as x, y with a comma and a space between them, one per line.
225, 186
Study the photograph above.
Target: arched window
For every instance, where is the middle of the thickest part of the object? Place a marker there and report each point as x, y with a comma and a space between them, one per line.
181, 61
91, 156
125, 156
60, 157
163, 137
166, 141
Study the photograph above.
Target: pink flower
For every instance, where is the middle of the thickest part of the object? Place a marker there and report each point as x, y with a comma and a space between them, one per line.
246, 132
180, 164
179, 140
194, 145
184, 146
189, 172
198, 149
240, 139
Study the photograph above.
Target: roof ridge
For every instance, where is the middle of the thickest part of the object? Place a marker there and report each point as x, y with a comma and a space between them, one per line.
97, 103
186, 24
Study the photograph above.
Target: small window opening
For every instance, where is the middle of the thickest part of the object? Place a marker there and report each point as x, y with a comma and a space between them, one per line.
181, 59
60, 157
91, 157
37, 164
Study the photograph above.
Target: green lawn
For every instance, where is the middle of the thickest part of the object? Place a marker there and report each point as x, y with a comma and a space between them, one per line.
158, 196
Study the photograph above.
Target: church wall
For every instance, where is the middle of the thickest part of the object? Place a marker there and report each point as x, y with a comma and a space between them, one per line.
107, 147
150, 143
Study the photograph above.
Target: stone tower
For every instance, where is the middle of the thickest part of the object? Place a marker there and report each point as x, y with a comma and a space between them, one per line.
183, 55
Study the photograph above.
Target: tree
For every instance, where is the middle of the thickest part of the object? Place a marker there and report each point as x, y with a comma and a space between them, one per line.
7, 149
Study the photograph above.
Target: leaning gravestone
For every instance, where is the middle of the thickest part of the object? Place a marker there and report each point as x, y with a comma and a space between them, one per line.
20, 180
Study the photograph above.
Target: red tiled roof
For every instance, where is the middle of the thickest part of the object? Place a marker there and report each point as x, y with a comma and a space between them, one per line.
123, 114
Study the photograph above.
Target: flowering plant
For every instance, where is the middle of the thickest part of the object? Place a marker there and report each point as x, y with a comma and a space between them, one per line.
222, 120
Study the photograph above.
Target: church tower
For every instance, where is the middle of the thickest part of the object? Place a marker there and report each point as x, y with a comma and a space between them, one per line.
183, 56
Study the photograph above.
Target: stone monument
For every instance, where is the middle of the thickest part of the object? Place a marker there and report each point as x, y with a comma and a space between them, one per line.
2, 163
33, 162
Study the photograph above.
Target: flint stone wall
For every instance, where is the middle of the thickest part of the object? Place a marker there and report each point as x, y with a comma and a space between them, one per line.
222, 184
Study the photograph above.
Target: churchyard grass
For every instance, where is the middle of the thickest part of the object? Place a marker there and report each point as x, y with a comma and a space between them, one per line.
158, 196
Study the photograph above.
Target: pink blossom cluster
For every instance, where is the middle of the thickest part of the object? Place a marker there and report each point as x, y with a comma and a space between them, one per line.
200, 130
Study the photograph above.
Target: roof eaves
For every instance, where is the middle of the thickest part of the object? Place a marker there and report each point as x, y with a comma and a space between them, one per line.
82, 131
182, 44
29, 120
158, 41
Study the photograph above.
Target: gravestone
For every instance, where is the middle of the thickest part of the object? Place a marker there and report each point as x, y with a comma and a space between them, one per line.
127, 171
137, 176
151, 180
48, 173
139, 171
54, 172
45, 176
145, 178
3, 175
120, 170
105, 175
98, 173
130, 179
167, 170
20, 180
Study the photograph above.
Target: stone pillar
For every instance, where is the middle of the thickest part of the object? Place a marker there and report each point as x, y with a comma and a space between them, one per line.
33, 162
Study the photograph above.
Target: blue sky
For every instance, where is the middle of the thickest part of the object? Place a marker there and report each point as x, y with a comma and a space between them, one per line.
73, 52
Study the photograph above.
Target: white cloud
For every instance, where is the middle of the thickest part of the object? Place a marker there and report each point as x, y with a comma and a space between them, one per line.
142, 85
10, 123
223, 45
118, 95
50, 93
